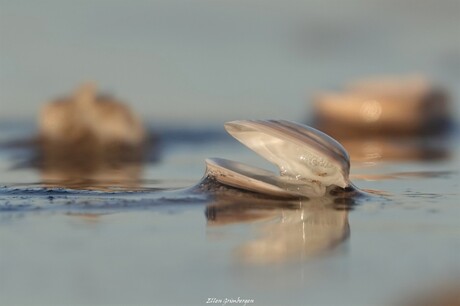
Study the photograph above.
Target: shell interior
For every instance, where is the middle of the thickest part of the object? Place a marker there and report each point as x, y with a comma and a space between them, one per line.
309, 160
251, 178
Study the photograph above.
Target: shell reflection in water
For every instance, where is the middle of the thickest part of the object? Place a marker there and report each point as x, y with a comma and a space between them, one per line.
444, 292
378, 149
90, 168
285, 231
310, 162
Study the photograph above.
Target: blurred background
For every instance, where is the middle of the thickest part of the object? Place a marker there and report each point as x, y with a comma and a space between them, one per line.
186, 67
208, 61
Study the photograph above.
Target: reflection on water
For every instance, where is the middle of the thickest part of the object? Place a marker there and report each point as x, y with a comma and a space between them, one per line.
89, 168
404, 175
381, 148
287, 230
445, 293
85, 166
389, 147
88, 218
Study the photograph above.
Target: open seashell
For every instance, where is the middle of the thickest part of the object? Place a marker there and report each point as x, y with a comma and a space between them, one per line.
309, 161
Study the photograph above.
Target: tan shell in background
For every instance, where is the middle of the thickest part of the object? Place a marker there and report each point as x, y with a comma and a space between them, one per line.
386, 105
90, 119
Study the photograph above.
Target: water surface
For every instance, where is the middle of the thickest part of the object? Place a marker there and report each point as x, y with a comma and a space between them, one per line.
139, 243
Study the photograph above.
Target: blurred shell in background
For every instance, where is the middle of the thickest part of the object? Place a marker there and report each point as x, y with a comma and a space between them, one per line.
86, 118
90, 141
383, 105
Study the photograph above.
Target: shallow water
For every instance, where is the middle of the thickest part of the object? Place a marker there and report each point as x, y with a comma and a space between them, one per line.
148, 241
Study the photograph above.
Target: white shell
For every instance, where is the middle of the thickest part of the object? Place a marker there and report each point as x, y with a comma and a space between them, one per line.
309, 160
